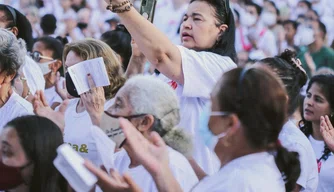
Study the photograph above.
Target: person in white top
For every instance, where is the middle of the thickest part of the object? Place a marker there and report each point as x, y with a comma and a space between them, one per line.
78, 124
152, 105
12, 56
48, 52
207, 51
289, 70
319, 108
243, 136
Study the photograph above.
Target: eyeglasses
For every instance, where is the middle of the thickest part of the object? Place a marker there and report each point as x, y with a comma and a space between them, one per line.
125, 117
37, 56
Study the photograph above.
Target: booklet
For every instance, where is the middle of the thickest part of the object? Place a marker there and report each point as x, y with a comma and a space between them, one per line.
95, 67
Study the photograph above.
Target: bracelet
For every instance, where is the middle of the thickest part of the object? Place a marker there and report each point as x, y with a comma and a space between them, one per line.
114, 9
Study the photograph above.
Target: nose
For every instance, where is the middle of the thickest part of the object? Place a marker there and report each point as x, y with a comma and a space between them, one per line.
308, 101
186, 24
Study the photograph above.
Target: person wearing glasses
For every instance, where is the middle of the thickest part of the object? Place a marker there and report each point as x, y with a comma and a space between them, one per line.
48, 53
192, 69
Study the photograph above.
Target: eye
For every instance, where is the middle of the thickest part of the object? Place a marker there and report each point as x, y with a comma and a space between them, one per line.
318, 99
308, 95
185, 18
197, 19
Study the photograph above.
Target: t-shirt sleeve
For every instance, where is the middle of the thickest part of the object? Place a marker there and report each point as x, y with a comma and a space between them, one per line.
201, 71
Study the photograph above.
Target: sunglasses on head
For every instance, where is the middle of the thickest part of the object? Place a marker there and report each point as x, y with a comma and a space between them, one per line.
37, 56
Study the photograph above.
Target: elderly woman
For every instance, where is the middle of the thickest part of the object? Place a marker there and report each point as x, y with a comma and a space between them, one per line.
207, 51
12, 56
151, 105
77, 130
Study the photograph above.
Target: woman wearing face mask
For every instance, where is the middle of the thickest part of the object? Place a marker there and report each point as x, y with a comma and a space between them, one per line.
12, 55
47, 52
77, 130
243, 136
207, 51
29, 144
318, 107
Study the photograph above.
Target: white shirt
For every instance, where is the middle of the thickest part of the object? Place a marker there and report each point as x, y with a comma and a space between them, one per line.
294, 140
251, 173
77, 133
201, 72
326, 175
266, 41
16, 106
51, 95
179, 165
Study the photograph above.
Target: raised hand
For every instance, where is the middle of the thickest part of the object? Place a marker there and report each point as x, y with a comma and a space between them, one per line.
327, 131
60, 87
114, 182
41, 108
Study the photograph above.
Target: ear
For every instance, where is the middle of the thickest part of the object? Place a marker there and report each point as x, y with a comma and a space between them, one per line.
146, 123
56, 65
222, 29
15, 30
233, 125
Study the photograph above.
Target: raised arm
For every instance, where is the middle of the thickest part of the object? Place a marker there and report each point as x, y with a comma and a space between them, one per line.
157, 48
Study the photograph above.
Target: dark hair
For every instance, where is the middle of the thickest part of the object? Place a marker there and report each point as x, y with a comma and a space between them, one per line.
237, 13
322, 28
262, 123
293, 23
225, 46
49, 24
292, 76
120, 41
40, 138
257, 7
326, 83
274, 5
21, 22
308, 4
53, 45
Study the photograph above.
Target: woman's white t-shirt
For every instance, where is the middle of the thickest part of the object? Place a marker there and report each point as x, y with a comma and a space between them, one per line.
51, 95
326, 174
251, 173
16, 106
201, 72
77, 133
294, 140
178, 164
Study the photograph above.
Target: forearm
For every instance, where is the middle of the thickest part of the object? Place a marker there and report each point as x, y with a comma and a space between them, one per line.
165, 181
197, 169
136, 66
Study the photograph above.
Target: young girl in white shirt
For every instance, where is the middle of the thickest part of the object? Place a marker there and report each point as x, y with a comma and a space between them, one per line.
319, 102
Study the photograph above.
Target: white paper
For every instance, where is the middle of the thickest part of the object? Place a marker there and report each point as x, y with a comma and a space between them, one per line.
95, 67
70, 164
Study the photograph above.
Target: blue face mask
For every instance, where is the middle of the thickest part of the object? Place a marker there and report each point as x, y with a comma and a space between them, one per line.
208, 137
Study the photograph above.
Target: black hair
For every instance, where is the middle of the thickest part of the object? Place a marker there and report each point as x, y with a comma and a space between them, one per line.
326, 83
49, 24
261, 123
120, 41
257, 7
225, 45
237, 13
322, 28
308, 4
274, 5
292, 76
40, 138
21, 22
293, 23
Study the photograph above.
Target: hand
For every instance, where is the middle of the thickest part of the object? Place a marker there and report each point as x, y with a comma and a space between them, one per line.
41, 108
152, 154
135, 50
61, 90
327, 132
115, 182
93, 101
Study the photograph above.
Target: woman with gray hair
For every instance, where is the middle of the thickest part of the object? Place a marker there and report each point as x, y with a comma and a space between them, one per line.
152, 105
12, 56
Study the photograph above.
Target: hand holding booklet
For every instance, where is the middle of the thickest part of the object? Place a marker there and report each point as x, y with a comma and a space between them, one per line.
95, 67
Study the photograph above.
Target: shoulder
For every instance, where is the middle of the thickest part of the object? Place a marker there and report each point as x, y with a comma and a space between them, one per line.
20, 105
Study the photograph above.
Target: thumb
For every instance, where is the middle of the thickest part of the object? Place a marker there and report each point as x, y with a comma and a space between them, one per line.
63, 106
133, 186
157, 140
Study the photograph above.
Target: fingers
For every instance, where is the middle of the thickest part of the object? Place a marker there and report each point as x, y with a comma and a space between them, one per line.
101, 175
323, 124
91, 82
133, 186
328, 122
43, 99
63, 106
156, 139
131, 133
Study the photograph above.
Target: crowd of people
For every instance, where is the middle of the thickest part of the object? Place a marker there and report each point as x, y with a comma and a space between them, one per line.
214, 95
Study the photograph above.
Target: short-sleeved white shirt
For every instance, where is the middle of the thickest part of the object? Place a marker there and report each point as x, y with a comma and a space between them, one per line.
326, 174
251, 173
179, 165
51, 94
16, 106
201, 72
294, 140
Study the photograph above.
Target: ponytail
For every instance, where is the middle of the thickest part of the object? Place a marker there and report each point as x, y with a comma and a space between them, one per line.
289, 165
179, 141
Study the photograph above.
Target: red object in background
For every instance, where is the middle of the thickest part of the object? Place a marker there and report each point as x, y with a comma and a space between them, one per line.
173, 84
10, 177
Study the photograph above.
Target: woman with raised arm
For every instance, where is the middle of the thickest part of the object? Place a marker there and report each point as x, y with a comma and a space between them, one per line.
207, 51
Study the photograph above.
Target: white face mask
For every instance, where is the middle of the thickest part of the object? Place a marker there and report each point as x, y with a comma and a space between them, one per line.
268, 19
306, 36
45, 67
247, 19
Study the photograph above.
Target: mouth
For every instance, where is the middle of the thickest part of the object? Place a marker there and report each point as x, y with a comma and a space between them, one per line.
186, 36
308, 111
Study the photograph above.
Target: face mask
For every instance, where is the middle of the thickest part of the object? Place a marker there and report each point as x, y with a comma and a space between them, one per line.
112, 128
70, 87
306, 36
45, 67
247, 19
208, 137
10, 177
300, 11
268, 19
82, 25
